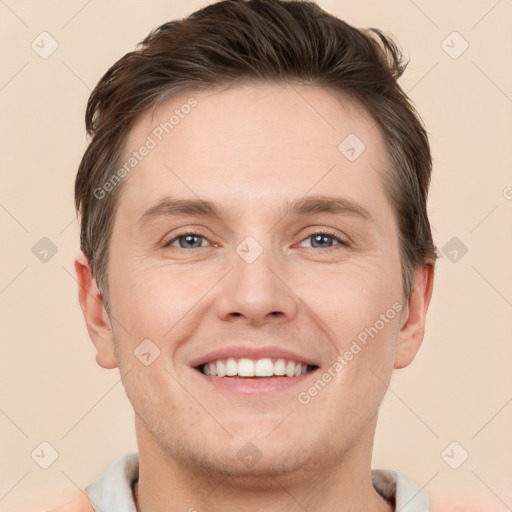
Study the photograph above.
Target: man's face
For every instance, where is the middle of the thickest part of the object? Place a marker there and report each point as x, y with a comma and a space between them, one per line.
256, 280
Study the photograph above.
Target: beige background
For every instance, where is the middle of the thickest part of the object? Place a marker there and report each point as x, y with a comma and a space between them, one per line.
459, 387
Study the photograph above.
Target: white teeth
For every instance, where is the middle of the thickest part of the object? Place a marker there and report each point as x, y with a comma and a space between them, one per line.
245, 367
280, 367
231, 367
264, 368
221, 369
290, 369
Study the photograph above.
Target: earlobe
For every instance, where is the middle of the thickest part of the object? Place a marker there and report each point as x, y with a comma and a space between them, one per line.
412, 329
96, 318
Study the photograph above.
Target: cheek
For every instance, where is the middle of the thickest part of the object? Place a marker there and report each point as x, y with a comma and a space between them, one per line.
359, 311
150, 302
352, 297
153, 392
366, 363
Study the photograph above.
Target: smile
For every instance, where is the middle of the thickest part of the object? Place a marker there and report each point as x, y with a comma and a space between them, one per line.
264, 367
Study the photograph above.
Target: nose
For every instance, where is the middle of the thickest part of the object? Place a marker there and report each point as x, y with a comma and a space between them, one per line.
256, 292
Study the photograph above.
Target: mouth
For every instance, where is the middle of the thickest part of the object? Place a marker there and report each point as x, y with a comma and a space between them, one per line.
254, 370
262, 368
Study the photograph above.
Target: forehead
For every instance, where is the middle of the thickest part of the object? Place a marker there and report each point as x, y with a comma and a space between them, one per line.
265, 140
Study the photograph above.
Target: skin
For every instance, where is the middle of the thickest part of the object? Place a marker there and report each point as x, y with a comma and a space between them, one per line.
252, 148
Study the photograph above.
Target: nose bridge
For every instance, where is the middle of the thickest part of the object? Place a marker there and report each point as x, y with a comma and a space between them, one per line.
254, 289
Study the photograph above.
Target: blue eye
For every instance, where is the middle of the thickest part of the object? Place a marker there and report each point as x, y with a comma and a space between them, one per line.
187, 241
319, 240
324, 240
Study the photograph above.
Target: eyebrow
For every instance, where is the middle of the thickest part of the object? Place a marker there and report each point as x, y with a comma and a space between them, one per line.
311, 205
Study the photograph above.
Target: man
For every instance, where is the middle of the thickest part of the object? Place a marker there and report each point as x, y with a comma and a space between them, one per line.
256, 259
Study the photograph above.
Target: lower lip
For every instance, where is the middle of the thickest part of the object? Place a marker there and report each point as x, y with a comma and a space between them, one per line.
255, 385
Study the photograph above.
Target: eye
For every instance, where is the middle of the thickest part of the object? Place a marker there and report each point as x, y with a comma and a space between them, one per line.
318, 240
323, 239
186, 241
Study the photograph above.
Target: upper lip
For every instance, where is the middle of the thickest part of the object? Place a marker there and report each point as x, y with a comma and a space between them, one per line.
251, 352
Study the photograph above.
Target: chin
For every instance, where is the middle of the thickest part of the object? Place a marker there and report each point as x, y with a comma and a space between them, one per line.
264, 466
249, 462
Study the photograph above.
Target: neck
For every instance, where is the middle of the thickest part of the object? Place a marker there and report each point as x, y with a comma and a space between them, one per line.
342, 485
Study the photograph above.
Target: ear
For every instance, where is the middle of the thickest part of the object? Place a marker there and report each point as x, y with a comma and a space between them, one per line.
414, 315
96, 317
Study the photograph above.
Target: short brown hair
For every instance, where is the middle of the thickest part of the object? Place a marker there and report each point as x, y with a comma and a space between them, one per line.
257, 40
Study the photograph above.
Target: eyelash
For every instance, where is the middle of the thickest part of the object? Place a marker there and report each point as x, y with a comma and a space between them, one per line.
331, 234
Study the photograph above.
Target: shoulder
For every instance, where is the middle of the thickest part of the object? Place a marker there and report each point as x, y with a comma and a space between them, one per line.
457, 504
80, 503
